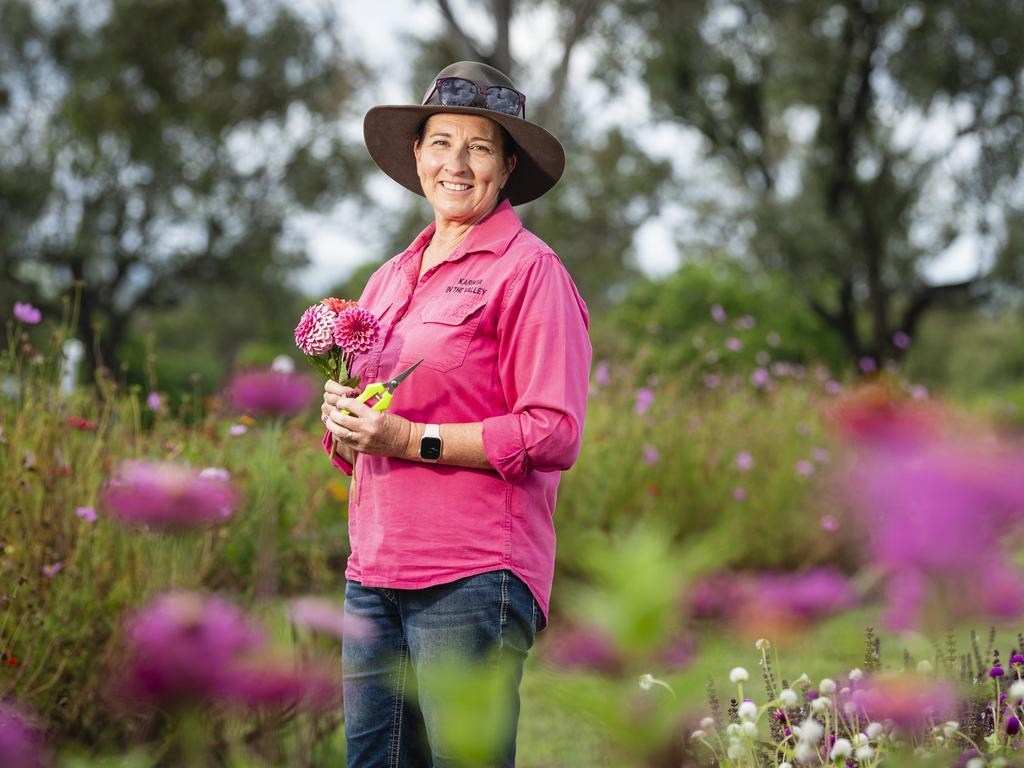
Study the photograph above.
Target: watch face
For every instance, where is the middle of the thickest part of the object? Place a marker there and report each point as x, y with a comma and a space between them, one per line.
430, 448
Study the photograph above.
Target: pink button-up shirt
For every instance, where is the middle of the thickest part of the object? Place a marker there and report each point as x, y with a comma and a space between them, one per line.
502, 332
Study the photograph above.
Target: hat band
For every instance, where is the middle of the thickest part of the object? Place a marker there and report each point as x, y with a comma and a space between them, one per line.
460, 92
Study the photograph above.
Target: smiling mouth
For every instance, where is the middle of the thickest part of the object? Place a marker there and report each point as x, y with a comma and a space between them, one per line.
452, 187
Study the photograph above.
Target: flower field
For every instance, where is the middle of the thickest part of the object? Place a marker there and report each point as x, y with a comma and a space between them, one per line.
759, 565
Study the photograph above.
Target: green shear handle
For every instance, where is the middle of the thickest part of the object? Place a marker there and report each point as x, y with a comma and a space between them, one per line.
384, 390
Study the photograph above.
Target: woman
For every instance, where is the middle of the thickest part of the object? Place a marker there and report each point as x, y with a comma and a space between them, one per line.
450, 510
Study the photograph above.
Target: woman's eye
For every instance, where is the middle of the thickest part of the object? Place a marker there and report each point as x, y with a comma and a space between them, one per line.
480, 148
439, 142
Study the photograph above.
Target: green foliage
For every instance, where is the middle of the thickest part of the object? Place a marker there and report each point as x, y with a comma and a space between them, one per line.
160, 148
666, 327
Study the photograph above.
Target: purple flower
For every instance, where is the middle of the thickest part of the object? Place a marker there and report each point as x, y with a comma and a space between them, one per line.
806, 595
182, 647
900, 340
21, 740
270, 392
739, 493
1016, 659
939, 511
644, 400
919, 392
867, 364
907, 700
651, 455
584, 648
804, 468
733, 344
237, 430
154, 402
829, 523
744, 461
169, 497
712, 380
26, 313
718, 314
86, 513
277, 683
996, 671
821, 455
49, 571
603, 374
746, 322
833, 387
760, 377
1011, 724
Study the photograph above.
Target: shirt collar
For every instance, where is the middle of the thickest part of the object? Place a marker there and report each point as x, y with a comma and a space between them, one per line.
493, 234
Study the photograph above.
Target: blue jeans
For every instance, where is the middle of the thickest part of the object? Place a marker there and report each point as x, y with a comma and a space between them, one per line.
394, 712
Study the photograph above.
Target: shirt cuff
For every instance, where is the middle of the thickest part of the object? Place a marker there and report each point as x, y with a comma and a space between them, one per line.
337, 461
505, 447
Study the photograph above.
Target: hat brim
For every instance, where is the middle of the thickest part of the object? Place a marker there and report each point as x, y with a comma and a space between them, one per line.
389, 132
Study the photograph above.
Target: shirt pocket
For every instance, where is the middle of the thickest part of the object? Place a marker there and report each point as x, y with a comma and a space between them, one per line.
443, 335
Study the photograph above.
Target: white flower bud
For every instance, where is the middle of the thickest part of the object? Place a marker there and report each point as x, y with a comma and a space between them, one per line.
811, 730
646, 681
850, 708
805, 753
999, 762
735, 751
874, 730
739, 675
827, 686
733, 729
802, 679
785, 765
859, 740
975, 762
707, 723
1017, 690
841, 749
924, 667
747, 710
856, 674
762, 644
788, 697
749, 729
865, 753
698, 734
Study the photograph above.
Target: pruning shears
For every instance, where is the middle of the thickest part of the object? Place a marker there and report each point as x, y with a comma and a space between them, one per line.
383, 390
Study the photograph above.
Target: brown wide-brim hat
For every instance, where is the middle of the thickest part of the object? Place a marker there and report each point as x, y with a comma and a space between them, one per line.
390, 130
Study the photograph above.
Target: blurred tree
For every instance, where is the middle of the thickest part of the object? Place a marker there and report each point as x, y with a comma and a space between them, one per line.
610, 186
859, 138
154, 149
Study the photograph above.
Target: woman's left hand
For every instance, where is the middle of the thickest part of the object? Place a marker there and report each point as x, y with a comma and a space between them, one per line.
377, 433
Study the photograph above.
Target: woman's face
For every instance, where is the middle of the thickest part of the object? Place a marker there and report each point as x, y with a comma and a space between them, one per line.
461, 166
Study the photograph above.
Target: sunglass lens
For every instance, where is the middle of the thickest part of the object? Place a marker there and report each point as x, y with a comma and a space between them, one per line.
456, 92
503, 100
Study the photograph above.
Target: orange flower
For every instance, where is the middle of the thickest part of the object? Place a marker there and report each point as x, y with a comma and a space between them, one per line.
337, 306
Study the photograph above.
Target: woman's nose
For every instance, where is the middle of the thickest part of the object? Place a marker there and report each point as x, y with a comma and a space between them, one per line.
456, 161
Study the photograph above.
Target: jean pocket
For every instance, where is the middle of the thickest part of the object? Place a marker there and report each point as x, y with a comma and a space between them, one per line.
442, 337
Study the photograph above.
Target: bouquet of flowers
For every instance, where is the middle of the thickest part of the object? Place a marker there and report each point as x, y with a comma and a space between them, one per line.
332, 333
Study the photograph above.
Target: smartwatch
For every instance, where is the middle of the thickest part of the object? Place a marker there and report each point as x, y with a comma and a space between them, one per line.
430, 443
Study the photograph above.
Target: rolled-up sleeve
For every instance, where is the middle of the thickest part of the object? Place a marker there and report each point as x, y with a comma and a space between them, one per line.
544, 357
337, 461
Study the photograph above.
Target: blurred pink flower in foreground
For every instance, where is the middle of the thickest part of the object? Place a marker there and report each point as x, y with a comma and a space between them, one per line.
603, 374
187, 648
271, 392
166, 496
583, 647
86, 513
26, 313
21, 741
153, 402
744, 461
651, 455
788, 598
324, 616
912, 702
717, 313
939, 509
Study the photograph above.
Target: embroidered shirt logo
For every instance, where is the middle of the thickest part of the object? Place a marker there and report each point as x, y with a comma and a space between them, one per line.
466, 285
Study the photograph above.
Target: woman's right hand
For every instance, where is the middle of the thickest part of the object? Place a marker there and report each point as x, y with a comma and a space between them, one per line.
333, 391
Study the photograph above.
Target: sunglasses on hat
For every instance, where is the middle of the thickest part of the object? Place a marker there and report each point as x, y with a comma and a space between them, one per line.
459, 92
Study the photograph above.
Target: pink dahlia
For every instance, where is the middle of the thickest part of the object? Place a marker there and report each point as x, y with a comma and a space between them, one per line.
271, 392
355, 330
337, 306
314, 333
167, 496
